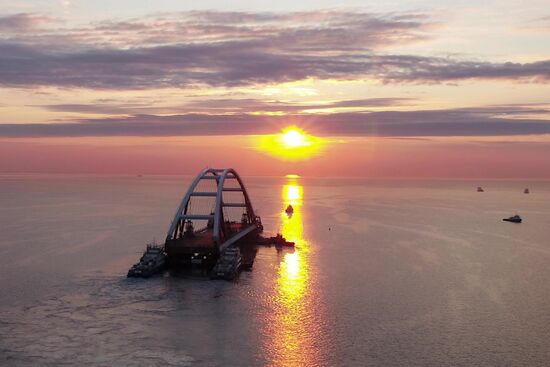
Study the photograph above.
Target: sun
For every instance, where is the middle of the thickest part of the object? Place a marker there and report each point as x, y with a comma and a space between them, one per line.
293, 138
291, 144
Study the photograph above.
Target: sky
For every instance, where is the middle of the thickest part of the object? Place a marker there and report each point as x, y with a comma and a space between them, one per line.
456, 89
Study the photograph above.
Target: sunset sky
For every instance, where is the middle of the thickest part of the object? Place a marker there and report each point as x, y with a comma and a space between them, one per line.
376, 89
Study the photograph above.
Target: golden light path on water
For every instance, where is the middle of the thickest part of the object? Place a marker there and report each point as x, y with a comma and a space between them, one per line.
293, 274
293, 326
291, 144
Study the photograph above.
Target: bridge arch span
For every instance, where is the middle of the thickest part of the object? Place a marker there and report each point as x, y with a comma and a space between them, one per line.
215, 217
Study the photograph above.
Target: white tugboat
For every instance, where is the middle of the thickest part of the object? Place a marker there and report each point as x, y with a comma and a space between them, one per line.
152, 262
228, 265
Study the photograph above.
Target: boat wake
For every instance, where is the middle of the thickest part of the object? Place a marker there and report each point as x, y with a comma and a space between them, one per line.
101, 322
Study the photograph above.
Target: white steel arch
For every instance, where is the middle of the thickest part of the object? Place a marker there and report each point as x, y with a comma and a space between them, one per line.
220, 175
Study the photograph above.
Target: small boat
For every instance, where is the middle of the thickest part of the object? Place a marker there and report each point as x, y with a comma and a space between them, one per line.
526, 191
277, 241
515, 219
280, 241
480, 189
289, 209
152, 262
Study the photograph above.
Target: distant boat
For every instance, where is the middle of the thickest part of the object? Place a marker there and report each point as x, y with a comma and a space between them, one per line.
480, 189
515, 219
289, 209
526, 191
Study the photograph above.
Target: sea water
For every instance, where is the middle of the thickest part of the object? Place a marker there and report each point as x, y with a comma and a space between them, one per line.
385, 273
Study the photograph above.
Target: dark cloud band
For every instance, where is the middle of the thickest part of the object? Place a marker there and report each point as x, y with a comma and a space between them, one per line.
232, 49
460, 122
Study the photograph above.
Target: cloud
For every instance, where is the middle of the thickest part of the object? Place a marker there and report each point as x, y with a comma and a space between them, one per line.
232, 64
298, 31
224, 105
426, 69
21, 22
453, 122
540, 24
233, 49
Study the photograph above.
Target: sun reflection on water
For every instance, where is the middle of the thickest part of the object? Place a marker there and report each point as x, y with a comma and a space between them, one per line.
293, 273
293, 326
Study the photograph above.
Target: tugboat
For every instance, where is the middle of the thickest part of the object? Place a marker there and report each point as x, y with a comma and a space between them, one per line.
228, 265
515, 219
280, 241
526, 191
277, 241
152, 262
480, 189
289, 210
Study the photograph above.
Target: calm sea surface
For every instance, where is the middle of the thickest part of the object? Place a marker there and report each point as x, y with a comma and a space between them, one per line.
386, 273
